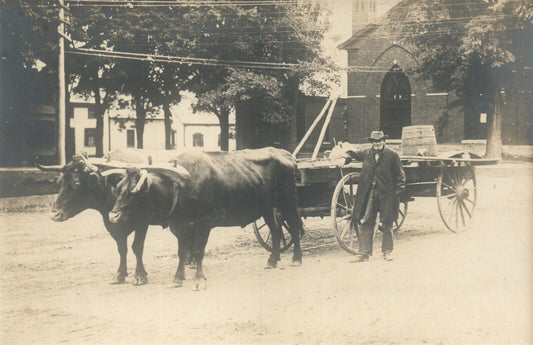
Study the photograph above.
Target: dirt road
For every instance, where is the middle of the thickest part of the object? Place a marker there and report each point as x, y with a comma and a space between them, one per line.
473, 287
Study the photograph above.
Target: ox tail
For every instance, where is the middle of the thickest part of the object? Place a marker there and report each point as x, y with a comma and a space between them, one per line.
287, 198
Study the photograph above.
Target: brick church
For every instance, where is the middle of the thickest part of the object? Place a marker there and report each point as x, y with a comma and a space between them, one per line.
384, 91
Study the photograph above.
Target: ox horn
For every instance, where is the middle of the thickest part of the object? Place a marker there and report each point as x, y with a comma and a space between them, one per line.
88, 164
55, 168
113, 171
142, 179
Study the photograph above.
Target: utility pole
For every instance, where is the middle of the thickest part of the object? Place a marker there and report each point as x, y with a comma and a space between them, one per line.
61, 74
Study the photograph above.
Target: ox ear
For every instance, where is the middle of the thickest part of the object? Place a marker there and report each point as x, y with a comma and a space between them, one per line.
177, 174
114, 176
92, 179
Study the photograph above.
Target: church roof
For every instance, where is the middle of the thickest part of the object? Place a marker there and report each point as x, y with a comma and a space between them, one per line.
396, 22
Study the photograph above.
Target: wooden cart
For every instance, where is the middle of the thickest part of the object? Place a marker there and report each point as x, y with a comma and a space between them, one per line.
326, 188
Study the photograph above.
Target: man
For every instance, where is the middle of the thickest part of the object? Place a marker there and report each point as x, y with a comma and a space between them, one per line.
381, 182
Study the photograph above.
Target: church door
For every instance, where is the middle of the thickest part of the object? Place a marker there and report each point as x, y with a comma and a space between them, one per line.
395, 103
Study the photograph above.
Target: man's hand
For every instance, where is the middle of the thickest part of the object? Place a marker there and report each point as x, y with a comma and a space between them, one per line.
345, 160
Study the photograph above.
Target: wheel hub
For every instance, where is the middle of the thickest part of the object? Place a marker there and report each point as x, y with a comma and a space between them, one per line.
462, 193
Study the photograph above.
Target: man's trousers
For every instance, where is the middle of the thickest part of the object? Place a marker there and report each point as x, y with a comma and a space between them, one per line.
368, 223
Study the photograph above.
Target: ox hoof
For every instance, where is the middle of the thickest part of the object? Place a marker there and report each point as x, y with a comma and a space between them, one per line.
176, 283
118, 279
296, 263
140, 280
271, 265
200, 284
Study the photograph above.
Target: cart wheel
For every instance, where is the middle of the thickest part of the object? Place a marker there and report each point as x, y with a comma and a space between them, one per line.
262, 232
402, 213
456, 196
341, 209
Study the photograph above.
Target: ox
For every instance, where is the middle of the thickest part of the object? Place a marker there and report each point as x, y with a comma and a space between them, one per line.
215, 189
83, 186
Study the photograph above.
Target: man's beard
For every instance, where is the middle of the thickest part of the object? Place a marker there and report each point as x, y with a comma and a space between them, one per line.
378, 150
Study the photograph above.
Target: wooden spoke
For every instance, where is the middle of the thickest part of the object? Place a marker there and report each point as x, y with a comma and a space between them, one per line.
460, 207
448, 186
470, 201
344, 207
341, 208
402, 213
466, 209
263, 235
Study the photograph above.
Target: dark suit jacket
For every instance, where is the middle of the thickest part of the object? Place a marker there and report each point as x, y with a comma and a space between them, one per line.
390, 182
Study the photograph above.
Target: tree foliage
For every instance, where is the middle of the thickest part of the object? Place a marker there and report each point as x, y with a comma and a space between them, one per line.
222, 35
275, 34
28, 44
475, 48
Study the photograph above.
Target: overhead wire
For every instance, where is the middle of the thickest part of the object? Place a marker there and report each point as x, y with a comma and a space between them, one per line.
179, 59
236, 2
252, 33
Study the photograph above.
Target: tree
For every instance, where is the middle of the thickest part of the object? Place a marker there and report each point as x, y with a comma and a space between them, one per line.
475, 47
266, 35
28, 70
151, 30
134, 29
285, 33
93, 76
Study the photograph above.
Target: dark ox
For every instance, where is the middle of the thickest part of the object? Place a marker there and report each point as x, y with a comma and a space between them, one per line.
83, 186
215, 189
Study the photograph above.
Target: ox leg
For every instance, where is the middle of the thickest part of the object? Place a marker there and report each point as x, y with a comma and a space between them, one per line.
276, 232
287, 202
141, 277
200, 241
122, 246
295, 228
185, 238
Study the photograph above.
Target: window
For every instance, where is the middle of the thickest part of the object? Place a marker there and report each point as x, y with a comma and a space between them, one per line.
173, 138
90, 137
362, 5
130, 138
197, 140
90, 113
356, 5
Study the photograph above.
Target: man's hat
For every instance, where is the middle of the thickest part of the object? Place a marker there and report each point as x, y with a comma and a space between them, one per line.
377, 136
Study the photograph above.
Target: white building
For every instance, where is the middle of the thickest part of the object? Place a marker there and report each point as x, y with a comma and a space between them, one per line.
199, 131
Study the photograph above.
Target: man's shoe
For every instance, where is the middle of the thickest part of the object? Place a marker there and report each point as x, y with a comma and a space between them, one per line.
360, 258
388, 256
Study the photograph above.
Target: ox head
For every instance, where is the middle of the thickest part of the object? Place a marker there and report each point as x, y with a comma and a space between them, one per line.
135, 186
78, 182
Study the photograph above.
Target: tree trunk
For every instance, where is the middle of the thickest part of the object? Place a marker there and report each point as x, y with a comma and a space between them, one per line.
494, 134
99, 115
140, 120
168, 126
223, 118
294, 92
